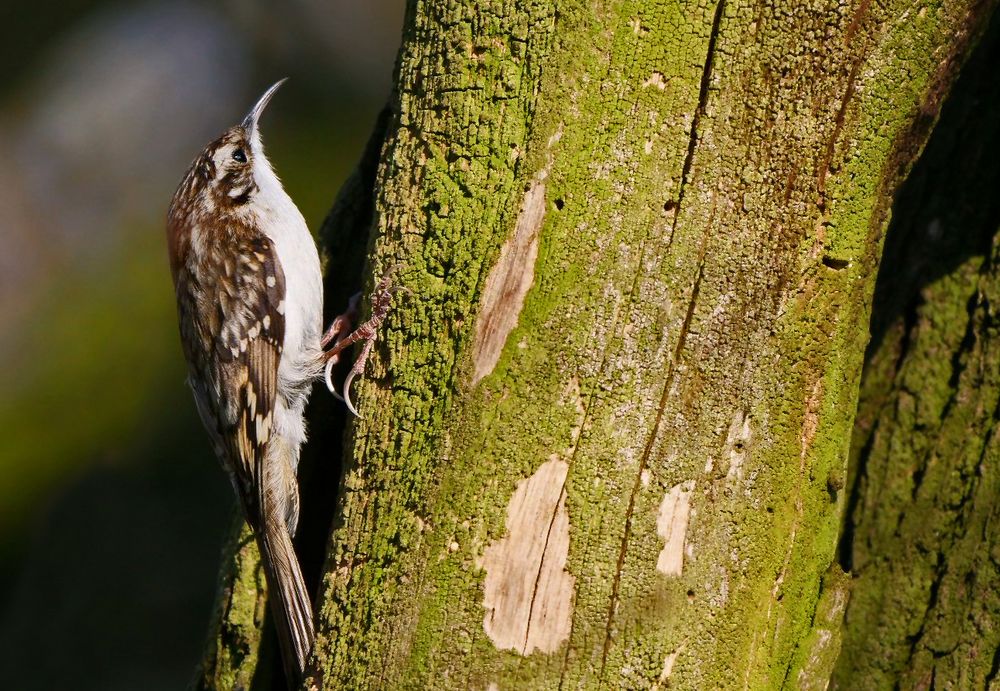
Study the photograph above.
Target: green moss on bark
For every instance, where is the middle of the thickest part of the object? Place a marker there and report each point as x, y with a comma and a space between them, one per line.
230, 660
716, 179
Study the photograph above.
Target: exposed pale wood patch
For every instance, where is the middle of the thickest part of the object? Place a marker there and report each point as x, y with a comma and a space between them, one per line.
668, 668
810, 424
508, 283
656, 79
671, 525
668, 665
528, 593
738, 444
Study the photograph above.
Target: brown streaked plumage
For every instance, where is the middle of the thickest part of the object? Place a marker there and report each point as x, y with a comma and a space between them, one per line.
252, 341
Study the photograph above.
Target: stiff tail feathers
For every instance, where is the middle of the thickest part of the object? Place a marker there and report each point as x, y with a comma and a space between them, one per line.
291, 606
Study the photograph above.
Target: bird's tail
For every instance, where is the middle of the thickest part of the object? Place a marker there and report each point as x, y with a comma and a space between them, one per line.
291, 606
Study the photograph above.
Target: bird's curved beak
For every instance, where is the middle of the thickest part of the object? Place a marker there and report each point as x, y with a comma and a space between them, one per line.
250, 121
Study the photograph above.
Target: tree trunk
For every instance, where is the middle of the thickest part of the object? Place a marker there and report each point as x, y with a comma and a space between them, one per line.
605, 435
920, 537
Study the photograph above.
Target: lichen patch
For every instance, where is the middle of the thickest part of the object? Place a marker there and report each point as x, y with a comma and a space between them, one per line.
671, 525
528, 592
508, 283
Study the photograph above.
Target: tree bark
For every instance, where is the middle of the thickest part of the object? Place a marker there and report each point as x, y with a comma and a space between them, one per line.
606, 430
920, 535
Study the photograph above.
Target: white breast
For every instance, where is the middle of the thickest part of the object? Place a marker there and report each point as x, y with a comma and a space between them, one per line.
281, 220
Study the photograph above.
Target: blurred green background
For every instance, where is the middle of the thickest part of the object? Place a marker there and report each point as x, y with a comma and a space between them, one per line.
112, 507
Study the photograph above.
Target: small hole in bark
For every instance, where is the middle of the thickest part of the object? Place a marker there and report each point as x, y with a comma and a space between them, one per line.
770, 509
560, 204
835, 264
669, 205
833, 487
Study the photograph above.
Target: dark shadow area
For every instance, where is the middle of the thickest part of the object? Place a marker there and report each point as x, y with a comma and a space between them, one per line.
949, 207
946, 211
127, 573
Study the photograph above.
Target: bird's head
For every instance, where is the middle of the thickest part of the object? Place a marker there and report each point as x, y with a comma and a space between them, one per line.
226, 173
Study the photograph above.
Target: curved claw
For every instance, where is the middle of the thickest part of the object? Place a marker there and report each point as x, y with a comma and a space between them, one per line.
347, 393
328, 377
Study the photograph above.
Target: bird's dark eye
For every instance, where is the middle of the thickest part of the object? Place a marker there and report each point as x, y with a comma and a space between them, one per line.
240, 155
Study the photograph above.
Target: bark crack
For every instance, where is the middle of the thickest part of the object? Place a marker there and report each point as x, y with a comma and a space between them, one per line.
703, 92
541, 564
647, 451
994, 669
585, 418
838, 125
706, 80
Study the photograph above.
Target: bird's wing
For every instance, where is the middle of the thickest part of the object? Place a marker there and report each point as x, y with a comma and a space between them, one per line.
233, 325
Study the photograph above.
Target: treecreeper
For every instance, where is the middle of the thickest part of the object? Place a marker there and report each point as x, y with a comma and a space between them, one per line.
249, 292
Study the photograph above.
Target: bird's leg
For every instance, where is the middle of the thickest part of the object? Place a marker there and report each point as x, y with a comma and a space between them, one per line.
381, 299
342, 322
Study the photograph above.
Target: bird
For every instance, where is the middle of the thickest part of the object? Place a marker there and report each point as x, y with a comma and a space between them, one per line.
248, 286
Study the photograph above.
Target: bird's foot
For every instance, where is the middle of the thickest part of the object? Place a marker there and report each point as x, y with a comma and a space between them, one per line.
380, 300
